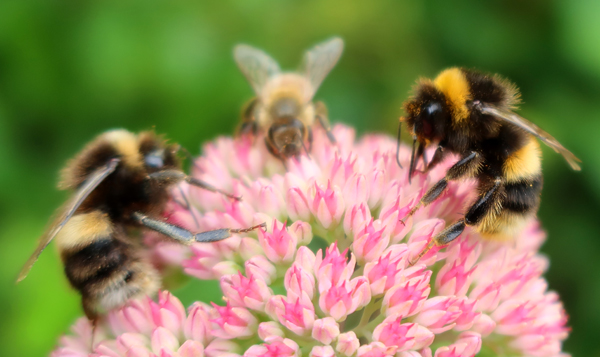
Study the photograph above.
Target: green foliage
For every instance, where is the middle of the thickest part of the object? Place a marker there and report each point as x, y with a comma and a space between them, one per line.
71, 69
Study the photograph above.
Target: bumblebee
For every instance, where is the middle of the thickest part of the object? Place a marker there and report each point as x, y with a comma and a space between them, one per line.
471, 114
283, 106
121, 182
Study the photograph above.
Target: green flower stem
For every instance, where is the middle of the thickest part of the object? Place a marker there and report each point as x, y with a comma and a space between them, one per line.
363, 330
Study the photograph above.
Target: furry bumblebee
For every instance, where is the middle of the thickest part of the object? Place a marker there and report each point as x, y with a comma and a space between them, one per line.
120, 182
472, 114
283, 107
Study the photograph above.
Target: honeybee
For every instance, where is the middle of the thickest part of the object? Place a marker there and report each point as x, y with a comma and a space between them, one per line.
283, 106
121, 182
472, 114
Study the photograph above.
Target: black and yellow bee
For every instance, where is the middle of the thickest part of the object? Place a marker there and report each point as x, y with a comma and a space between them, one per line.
472, 114
121, 182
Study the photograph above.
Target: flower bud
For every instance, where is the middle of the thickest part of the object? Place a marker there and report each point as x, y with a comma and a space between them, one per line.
279, 246
302, 231
322, 351
232, 322
347, 343
328, 205
268, 331
325, 330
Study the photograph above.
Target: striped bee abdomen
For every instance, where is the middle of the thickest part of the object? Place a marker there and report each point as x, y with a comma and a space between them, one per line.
102, 265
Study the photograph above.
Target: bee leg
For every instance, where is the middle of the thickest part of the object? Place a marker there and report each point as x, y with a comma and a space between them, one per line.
94, 327
322, 115
248, 125
465, 167
219, 234
446, 236
486, 202
90, 312
169, 177
184, 236
248, 128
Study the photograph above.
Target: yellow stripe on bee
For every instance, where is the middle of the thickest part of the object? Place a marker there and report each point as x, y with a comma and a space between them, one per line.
502, 227
127, 145
83, 229
455, 87
524, 163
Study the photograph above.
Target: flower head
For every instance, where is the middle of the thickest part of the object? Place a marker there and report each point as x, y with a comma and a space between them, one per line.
355, 296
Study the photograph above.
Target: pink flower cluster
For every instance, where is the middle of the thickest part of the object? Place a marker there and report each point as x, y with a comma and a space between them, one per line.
357, 294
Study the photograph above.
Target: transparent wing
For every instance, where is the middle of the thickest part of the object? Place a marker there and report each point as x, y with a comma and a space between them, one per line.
66, 211
319, 61
256, 65
528, 126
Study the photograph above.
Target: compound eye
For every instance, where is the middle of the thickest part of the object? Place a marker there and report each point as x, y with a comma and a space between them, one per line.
433, 109
155, 159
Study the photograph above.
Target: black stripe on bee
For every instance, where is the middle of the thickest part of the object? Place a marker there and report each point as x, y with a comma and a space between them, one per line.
95, 262
523, 196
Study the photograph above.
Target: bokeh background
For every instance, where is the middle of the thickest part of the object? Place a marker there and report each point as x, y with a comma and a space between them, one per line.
71, 69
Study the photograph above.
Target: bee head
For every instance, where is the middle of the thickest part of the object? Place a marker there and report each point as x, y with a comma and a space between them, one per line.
157, 155
427, 116
286, 136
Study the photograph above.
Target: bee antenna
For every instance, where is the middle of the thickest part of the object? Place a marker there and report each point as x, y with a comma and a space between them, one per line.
411, 169
398, 145
189, 156
186, 204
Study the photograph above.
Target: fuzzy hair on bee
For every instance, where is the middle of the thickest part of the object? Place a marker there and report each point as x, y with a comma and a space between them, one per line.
120, 183
283, 108
472, 114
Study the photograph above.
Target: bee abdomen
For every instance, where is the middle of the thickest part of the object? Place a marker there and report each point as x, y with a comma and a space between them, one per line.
101, 263
519, 202
523, 196
96, 262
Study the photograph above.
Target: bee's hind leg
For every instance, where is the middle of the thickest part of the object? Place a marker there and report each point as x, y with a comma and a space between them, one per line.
487, 201
465, 167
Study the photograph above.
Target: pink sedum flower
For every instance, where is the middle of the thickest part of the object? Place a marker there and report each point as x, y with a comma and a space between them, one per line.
329, 276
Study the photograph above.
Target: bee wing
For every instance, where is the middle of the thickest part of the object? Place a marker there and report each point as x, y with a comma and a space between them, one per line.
256, 65
319, 61
66, 211
510, 117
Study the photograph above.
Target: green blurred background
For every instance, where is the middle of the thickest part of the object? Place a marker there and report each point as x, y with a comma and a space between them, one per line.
72, 69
